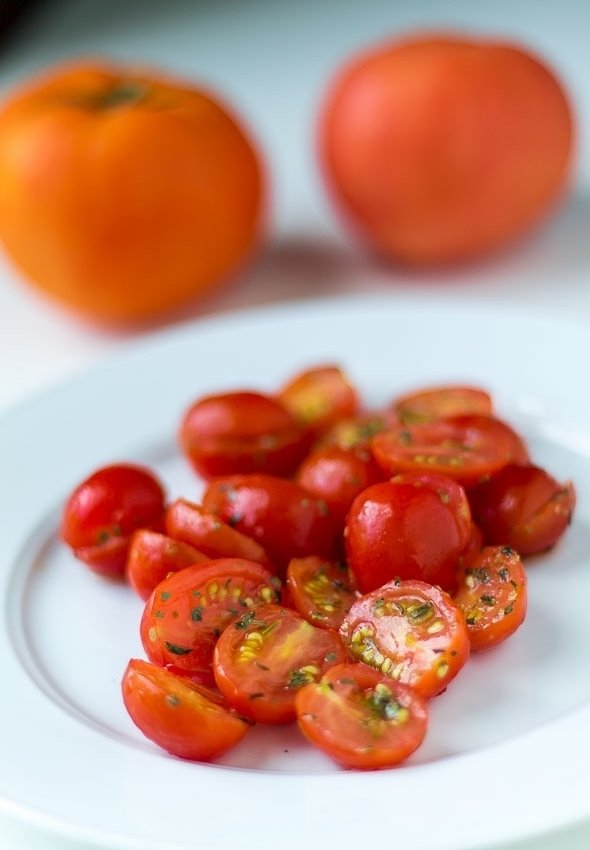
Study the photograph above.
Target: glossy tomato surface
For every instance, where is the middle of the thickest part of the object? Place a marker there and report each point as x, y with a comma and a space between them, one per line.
436, 402
321, 591
320, 397
153, 556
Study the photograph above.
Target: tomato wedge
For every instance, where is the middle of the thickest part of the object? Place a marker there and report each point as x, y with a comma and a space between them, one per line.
493, 596
197, 526
176, 714
187, 612
321, 591
361, 718
152, 556
465, 448
411, 632
263, 658
319, 397
436, 402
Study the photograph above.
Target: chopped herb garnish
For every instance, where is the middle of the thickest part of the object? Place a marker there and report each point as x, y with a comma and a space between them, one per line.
331, 657
508, 551
164, 596
177, 650
503, 574
245, 620
487, 599
257, 695
197, 614
172, 700
508, 609
261, 666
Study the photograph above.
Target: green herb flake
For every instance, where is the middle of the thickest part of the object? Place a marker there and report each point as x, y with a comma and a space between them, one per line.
197, 614
245, 620
503, 574
488, 600
508, 609
331, 657
172, 700
177, 650
164, 596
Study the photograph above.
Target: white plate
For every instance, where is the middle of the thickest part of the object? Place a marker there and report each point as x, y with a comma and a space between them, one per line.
514, 726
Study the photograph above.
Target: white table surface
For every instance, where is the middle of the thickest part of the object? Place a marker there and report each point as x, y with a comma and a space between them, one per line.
272, 60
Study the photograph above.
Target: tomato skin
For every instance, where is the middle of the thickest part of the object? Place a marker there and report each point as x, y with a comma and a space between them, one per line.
242, 432
361, 718
319, 397
358, 431
321, 591
177, 715
187, 612
466, 448
195, 525
105, 509
472, 548
152, 556
410, 631
280, 515
337, 476
385, 535
523, 507
492, 595
436, 402
262, 659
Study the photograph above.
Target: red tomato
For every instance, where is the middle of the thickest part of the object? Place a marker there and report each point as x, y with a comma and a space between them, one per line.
262, 660
361, 718
319, 397
152, 556
492, 595
357, 432
337, 476
105, 509
242, 432
413, 527
523, 507
410, 631
426, 405
473, 547
188, 611
176, 715
466, 448
197, 526
322, 591
283, 517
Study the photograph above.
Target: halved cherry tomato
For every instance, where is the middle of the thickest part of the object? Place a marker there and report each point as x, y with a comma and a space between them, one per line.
361, 718
337, 476
176, 714
187, 612
197, 526
357, 432
523, 507
242, 432
465, 448
410, 631
152, 556
263, 658
105, 509
432, 403
283, 517
493, 596
319, 397
413, 527
321, 591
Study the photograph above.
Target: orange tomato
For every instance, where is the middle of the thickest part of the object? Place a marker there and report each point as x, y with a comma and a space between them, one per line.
125, 194
440, 149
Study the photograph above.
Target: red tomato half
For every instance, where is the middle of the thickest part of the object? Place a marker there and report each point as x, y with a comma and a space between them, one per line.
262, 660
105, 509
413, 527
242, 432
321, 591
188, 611
523, 507
493, 596
197, 526
319, 397
361, 718
176, 715
410, 631
153, 556
465, 448
357, 432
283, 517
426, 405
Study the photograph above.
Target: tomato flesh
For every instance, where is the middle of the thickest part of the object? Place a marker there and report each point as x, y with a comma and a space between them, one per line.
411, 632
153, 556
434, 403
321, 591
319, 397
361, 718
176, 714
262, 660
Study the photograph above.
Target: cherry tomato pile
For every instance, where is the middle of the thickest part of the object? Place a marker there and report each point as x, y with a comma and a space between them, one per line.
341, 568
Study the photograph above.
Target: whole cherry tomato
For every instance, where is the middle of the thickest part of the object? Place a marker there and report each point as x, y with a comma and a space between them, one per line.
523, 507
413, 527
242, 432
177, 715
283, 517
410, 631
105, 509
362, 718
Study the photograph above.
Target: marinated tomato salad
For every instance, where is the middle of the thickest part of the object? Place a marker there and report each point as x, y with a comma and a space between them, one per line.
341, 568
